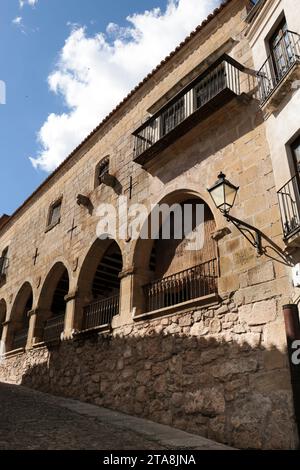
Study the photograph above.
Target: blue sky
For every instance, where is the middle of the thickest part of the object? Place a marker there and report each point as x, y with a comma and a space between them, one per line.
55, 56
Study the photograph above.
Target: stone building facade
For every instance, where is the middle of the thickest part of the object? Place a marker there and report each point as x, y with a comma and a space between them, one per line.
140, 325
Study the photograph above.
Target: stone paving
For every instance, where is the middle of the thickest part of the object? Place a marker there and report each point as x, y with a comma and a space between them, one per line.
33, 420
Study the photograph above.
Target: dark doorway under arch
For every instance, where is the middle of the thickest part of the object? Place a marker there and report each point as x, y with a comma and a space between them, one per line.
174, 273
52, 305
99, 284
20, 319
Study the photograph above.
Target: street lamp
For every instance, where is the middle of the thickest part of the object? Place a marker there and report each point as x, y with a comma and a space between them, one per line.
223, 193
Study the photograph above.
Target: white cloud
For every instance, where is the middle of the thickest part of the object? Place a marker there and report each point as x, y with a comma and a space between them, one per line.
94, 73
31, 3
17, 20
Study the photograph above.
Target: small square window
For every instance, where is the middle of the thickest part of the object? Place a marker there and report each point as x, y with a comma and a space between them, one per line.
54, 214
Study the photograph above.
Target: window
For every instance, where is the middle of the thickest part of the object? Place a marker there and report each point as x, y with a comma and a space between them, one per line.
102, 170
54, 214
296, 153
281, 50
3, 262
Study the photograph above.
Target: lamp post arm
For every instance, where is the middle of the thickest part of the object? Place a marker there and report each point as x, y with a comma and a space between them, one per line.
254, 238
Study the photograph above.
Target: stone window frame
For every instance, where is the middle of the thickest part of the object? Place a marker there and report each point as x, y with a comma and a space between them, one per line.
281, 17
290, 153
295, 143
51, 225
3, 265
103, 165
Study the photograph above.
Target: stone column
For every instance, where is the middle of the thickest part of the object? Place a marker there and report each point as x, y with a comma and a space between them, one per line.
126, 290
71, 323
132, 300
7, 336
38, 323
32, 314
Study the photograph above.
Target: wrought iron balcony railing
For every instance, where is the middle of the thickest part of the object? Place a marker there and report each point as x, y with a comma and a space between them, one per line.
53, 328
289, 203
279, 63
186, 285
101, 312
20, 339
208, 92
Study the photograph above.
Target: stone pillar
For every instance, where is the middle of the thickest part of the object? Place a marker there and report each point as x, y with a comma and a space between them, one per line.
140, 279
70, 315
126, 290
37, 321
7, 336
31, 329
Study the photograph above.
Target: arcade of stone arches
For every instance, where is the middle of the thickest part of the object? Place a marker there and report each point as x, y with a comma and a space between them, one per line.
164, 275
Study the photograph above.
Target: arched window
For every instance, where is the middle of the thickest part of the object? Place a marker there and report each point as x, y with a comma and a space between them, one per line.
102, 170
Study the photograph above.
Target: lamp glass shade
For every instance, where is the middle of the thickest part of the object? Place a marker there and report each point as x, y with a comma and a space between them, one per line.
230, 193
223, 194
217, 195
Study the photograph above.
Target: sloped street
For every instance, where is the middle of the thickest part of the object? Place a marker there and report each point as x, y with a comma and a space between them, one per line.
31, 420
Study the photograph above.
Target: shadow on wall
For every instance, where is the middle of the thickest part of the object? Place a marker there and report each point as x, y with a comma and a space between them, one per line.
234, 392
209, 138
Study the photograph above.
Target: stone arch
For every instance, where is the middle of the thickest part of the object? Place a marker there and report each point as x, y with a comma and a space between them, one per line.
99, 283
52, 304
19, 319
3, 310
169, 260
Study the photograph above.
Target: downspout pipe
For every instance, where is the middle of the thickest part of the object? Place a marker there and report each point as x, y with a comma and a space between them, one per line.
292, 329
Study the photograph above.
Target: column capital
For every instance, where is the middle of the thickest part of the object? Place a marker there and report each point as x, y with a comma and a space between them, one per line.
126, 272
71, 295
32, 312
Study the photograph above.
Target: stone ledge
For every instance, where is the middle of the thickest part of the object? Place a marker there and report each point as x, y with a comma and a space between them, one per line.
15, 352
183, 307
93, 331
282, 89
41, 344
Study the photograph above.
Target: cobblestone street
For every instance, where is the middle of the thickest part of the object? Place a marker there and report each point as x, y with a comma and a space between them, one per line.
34, 420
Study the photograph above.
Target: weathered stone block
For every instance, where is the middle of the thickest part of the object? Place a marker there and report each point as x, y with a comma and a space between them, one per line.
274, 335
209, 402
258, 313
199, 329
260, 274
